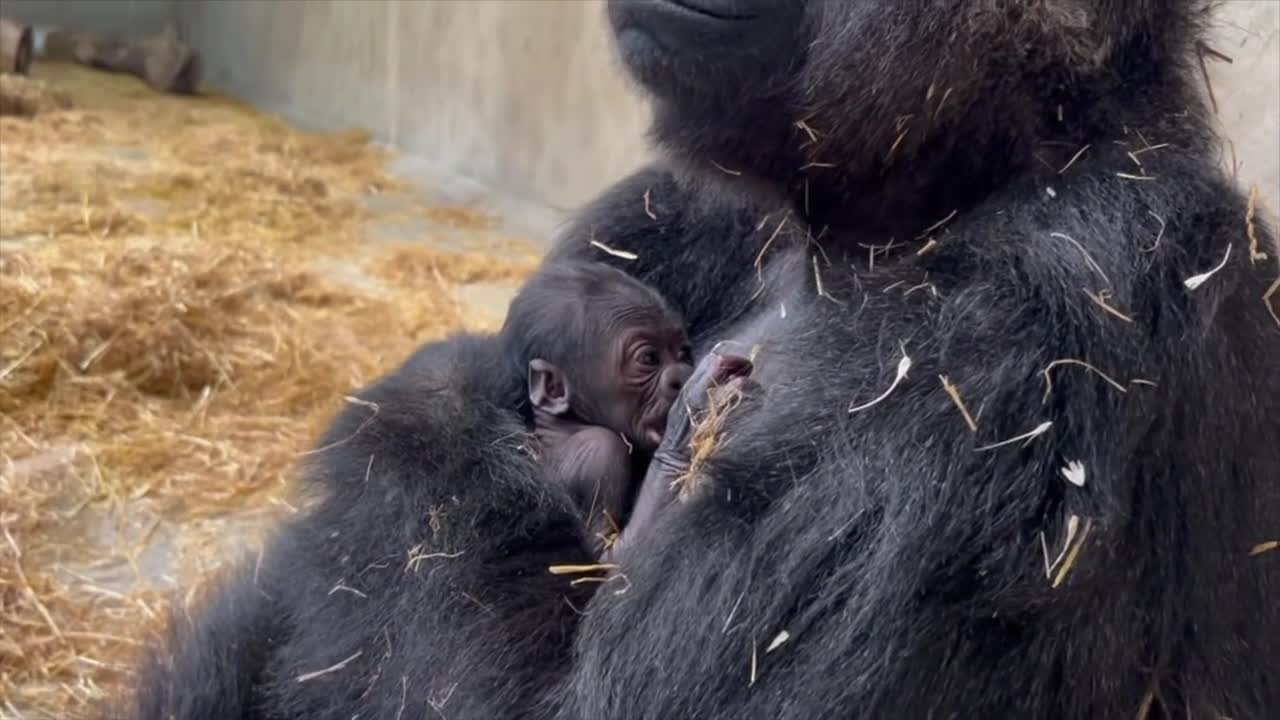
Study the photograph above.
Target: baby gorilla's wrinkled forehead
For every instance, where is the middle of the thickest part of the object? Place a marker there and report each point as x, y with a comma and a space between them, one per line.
569, 313
622, 321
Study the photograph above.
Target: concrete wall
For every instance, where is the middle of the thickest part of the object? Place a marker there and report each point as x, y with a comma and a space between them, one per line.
1248, 92
524, 96
116, 17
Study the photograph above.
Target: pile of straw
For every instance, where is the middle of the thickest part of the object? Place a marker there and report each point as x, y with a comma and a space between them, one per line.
186, 294
23, 96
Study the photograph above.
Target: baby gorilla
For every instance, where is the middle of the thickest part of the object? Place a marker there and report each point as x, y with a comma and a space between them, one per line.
605, 358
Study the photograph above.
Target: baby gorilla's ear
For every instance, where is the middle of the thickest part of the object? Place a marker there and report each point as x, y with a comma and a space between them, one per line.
548, 387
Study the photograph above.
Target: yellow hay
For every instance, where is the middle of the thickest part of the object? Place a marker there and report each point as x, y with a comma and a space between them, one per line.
186, 296
25, 97
708, 434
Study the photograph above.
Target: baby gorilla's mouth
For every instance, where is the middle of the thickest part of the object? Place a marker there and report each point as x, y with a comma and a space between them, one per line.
654, 427
653, 434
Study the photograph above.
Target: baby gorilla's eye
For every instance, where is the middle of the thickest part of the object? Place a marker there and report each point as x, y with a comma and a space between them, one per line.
647, 356
686, 354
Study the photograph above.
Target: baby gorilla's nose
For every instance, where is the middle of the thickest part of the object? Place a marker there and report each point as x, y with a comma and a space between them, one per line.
675, 377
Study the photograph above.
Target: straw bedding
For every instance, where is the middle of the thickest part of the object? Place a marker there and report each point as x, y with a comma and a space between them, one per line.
186, 295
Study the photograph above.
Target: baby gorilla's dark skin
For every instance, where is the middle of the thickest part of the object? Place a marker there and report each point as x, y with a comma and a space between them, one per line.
605, 358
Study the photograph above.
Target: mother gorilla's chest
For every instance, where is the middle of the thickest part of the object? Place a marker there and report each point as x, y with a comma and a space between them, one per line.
804, 342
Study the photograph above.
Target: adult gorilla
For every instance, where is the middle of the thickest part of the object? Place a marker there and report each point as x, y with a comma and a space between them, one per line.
1056, 507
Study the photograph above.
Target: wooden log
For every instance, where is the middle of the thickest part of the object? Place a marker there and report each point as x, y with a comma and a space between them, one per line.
15, 47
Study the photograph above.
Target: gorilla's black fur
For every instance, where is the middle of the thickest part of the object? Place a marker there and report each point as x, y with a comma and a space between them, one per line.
988, 187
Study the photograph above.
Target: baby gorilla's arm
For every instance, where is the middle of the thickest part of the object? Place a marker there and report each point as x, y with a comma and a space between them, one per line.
594, 464
672, 457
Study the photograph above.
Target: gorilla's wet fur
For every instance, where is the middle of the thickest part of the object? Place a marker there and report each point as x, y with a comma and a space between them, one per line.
987, 187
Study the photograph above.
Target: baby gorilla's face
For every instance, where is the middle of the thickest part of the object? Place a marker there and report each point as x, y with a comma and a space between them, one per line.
637, 378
